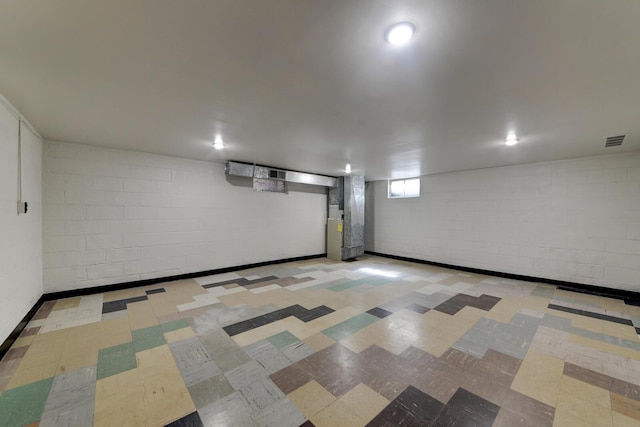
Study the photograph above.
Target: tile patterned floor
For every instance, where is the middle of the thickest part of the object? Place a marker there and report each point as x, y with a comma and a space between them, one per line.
373, 342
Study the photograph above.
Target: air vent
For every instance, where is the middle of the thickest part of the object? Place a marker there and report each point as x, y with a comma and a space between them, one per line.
614, 141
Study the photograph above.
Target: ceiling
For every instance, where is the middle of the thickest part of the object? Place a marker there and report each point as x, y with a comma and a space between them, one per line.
311, 84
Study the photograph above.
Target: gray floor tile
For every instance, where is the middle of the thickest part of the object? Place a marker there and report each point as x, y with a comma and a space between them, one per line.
194, 374
268, 356
260, 394
244, 375
228, 411
297, 351
189, 352
281, 414
71, 399
208, 391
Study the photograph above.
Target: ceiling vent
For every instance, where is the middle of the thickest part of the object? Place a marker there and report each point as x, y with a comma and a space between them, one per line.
614, 141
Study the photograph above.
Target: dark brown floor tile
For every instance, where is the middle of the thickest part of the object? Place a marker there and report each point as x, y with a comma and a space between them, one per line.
492, 372
379, 312
625, 389
417, 357
507, 364
339, 381
417, 308
459, 359
16, 353
288, 281
625, 406
30, 331
323, 361
395, 414
492, 391
436, 385
455, 304
420, 404
377, 356
465, 408
290, 378
485, 302
44, 311
191, 420
587, 375
536, 412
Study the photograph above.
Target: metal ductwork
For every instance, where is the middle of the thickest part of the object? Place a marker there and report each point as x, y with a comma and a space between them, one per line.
266, 178
345, 227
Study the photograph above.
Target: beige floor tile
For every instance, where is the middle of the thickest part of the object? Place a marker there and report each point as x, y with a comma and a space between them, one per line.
141, 315
617, 330
505, 309
318, 341
41, 359
539, 377
120, 401
81, 348
584, 409
596, 395
311, 398
66, 303
179, 334
115, 332
337, 414
22, 341
364, 402
165, 394
620, 420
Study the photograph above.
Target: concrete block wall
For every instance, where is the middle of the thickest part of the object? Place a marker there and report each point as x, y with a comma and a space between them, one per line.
575, 220
20, 235
113, 216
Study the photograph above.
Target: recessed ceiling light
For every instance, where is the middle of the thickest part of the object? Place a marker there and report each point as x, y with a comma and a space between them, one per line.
217, 143
347, 169
400, 33
511, 140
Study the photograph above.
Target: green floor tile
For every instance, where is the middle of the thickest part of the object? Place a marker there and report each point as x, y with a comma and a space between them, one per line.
146, 338
24, 405
377, 281
349, 326
282, 339
116, 359
175, 325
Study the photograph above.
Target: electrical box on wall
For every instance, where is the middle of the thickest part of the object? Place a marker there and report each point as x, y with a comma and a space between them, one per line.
22, 207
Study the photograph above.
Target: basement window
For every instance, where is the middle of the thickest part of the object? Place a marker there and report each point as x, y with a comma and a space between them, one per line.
401, 188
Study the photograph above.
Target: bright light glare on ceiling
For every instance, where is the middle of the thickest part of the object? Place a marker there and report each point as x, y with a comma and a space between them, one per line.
217, 143
511, 140
400, 33
347, 168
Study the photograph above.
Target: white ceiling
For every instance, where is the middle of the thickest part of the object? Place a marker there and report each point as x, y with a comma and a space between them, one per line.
311, 84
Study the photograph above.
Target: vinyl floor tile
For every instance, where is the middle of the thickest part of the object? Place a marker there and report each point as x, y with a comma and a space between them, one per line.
230, 410
330, 343
23, 405
311, 398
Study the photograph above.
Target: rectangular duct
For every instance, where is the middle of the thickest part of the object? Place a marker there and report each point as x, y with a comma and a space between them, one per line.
353, 229
346, 218
276, 178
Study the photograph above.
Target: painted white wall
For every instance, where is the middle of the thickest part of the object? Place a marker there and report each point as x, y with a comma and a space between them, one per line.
113, 216
20, 235
575, 220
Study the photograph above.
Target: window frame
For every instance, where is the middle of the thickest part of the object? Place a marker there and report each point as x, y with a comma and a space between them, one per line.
404, 188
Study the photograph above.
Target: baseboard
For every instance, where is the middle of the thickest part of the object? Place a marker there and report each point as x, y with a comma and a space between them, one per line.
629, 297
6, 345
15, 334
